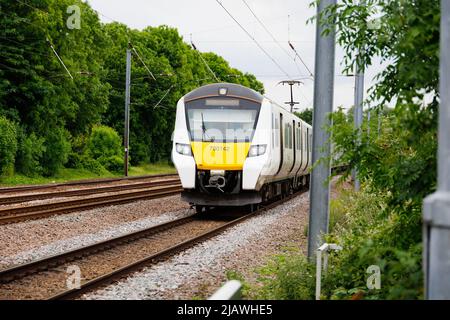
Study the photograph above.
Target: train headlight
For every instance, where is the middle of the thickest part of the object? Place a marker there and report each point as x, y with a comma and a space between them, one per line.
257, 150
183, 149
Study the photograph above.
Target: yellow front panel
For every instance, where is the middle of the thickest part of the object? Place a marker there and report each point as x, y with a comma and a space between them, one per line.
220, 156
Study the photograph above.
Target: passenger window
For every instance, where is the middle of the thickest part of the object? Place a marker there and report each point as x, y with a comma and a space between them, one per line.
286, 137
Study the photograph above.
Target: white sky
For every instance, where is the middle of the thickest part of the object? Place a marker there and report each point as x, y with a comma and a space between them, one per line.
213, 30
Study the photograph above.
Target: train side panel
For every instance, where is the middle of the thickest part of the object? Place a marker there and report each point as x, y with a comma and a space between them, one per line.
254, 166
184, 164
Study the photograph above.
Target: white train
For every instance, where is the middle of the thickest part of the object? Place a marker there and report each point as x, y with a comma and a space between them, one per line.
234, 147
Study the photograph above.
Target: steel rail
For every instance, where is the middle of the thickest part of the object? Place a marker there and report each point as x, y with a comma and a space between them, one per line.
45, 210
161, 255
4, 190
80, 192
22, 270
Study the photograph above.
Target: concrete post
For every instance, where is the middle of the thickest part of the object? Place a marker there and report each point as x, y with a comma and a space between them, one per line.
436, 215
358, 111
323, 107
126, 138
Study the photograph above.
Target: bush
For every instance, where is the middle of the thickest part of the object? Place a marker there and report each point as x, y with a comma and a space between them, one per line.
8, 146
57, 148
112, 163
74, 161
368, 231
104, 142
30, 155
286, 277
92, 165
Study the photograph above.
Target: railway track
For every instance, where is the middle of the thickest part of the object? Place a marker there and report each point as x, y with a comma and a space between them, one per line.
108, 261
19, 189
80, 192
18, 214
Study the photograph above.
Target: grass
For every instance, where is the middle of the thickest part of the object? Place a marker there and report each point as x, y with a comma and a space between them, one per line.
152, 168
65, 175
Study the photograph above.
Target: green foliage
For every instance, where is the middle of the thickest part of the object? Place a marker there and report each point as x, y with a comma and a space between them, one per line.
37, 93
30, 155
400, 162
367, 229
112, 163
285, 277
93, 165
306, 115
57, 149
104, 142
381, 225
8, 146
178, 70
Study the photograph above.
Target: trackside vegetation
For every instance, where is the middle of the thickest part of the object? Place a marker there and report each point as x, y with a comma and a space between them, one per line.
382, 224
52, 122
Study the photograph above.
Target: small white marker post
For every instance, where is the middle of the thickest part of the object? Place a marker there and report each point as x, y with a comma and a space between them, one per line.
232, 290
325, 248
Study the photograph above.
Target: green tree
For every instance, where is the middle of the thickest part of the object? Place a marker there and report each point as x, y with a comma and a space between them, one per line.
400, 163
57, 149
306, 115
104, 142
8, 146
29, 156
53, 108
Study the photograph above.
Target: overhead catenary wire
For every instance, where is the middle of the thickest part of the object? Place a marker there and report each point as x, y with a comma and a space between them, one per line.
59, 58
204, 61
270, 34
254, 40
142, 61
32, 7
298, 55
163, 97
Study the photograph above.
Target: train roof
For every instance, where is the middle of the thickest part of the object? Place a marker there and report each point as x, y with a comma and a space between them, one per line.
232, 90
228, 90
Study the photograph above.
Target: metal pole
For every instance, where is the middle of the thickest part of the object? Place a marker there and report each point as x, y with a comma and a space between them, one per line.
358, 111
126, 139
292, 98
359, 96
323, 107
436, 230
291, 83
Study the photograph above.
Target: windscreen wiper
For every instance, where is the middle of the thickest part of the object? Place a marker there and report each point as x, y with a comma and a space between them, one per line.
204, 132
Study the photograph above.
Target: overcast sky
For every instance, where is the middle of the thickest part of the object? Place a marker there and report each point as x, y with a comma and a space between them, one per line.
214, 30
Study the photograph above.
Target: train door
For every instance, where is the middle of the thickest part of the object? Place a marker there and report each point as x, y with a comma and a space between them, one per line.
300, 136
299, 147
294, 144
281, 143
308, 157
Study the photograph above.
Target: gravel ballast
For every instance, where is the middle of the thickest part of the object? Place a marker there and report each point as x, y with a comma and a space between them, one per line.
39, 238
187, 274
200, 271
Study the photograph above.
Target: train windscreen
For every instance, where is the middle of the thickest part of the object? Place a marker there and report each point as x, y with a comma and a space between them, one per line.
222, 120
